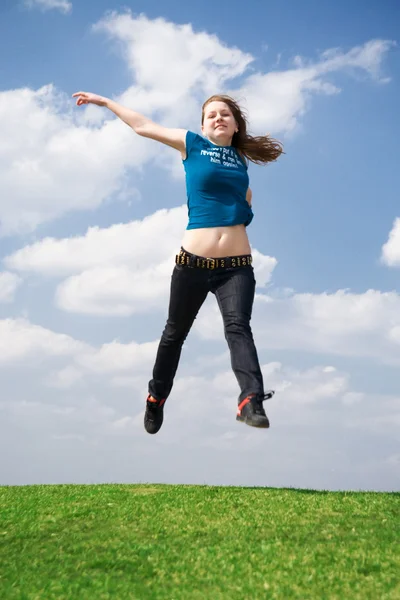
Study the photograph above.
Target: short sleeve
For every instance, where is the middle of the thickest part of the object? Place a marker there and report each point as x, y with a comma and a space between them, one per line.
242, 159
191, 139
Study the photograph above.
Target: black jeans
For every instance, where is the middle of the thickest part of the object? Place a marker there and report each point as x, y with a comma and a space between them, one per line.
234, 289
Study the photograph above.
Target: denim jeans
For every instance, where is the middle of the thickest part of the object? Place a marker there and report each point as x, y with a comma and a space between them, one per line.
234, 290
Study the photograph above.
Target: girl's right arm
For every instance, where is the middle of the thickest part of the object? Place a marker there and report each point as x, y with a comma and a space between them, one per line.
176, 138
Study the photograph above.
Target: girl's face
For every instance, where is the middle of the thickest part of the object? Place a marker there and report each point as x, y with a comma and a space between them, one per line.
219, 124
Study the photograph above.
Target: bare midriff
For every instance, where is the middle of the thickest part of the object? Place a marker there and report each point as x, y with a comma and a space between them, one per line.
217, 242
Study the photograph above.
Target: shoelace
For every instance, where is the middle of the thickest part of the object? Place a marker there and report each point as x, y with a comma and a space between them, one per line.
154, 405
152, 411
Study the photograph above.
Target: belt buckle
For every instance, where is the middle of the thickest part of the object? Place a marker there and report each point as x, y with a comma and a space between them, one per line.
212, 263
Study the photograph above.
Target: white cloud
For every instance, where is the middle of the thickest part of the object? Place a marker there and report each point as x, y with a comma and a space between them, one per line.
350, 398
62, 5
199, 62
120, 271
115, 290
64, 378
276, 100
263, 267
9, 282
340, 323
117, 270
125, 245
51, 164
60, 159
115, 357
63, 158
202, 65
385, 422
394, 334
20, 340
390, 255
317, 384
293, 387
367, 57
312, 409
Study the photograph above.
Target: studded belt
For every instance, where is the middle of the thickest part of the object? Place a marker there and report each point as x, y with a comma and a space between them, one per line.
201, 262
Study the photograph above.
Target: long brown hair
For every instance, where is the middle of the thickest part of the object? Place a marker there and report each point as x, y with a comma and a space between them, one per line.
260, 149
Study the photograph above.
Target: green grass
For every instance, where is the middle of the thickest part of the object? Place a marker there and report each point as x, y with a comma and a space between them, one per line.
167, 542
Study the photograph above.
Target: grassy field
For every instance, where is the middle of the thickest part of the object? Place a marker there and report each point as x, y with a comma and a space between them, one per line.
167, 542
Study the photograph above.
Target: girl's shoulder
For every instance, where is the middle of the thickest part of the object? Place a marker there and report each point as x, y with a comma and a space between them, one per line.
196, 138
194, 141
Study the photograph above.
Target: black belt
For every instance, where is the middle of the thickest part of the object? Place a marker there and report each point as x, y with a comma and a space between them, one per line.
191, 260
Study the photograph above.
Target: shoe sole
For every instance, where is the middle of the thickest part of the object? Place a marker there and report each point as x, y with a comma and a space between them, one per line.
152, 432
264, 425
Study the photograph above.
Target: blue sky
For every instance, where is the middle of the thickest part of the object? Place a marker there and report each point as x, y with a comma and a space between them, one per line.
87, 254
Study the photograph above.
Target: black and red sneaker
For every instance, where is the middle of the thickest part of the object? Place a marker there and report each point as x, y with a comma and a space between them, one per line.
251, 411
154, 414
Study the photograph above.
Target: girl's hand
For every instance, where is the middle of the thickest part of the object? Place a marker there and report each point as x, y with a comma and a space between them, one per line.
88, 98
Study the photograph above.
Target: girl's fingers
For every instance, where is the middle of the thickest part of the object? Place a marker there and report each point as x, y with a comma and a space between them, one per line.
82, 98
87, 98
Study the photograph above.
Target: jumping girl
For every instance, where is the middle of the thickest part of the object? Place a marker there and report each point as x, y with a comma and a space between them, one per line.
215, 255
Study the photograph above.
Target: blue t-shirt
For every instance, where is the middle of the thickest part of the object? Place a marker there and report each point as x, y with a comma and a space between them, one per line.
216, 184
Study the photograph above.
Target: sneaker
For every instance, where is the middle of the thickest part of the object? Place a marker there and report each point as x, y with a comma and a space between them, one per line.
154, 415
251, 411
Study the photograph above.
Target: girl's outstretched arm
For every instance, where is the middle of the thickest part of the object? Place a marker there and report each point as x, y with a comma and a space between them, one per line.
176, 138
